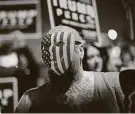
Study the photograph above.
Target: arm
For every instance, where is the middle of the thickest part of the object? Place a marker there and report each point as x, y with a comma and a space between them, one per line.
119, 93
113, 91
24, 104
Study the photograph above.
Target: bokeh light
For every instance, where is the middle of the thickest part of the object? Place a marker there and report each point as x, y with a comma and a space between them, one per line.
112, 34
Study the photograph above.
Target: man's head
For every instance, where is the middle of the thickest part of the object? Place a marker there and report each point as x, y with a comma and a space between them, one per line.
60, 47
94, 60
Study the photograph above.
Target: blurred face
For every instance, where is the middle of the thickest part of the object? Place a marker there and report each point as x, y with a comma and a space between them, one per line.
57, 51
94, 60
126, 58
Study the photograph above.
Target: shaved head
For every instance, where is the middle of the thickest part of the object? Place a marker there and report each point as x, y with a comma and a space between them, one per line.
66, 29
57, 48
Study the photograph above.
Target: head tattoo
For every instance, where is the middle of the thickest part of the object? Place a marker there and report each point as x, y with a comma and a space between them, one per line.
57, 48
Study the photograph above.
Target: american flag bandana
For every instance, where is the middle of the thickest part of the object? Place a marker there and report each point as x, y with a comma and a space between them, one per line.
57, 51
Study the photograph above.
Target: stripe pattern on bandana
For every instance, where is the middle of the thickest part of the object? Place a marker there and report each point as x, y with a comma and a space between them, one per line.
57, 51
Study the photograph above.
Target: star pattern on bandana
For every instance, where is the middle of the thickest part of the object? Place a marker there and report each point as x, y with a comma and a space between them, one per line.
45, 44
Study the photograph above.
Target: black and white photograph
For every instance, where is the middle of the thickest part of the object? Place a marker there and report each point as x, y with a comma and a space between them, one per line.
67, 56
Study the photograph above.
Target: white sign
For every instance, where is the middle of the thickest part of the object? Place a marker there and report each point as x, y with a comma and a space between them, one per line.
81, 15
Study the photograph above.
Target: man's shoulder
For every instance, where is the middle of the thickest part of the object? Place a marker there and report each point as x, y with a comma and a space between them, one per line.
34, 93
100, 73
32, 97
87, 73
111, 73
109, 76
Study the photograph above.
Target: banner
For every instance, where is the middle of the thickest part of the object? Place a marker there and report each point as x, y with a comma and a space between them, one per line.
8, 94
78, 14
22, 16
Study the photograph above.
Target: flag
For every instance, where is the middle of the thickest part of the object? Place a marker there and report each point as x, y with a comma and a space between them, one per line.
57, 51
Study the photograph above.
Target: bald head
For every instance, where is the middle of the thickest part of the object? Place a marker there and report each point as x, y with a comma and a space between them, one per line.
66, 29
57, 48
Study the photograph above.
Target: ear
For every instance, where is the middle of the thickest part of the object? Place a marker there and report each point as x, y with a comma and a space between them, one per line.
81, 51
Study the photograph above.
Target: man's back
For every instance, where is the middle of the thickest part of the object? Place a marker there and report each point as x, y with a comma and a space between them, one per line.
102, 96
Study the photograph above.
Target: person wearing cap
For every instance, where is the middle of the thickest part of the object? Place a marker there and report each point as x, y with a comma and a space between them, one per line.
71, 89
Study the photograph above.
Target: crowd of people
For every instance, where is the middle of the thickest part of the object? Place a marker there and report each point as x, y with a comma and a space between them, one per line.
114, 59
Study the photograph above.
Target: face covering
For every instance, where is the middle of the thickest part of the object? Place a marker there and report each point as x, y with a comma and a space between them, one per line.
57, 51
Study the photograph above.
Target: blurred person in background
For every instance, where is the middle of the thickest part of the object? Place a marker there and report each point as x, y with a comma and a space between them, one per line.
71, 89
28, 69
127, 58
132, 48
16, 60
114, 65
92, 59
114, 61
